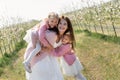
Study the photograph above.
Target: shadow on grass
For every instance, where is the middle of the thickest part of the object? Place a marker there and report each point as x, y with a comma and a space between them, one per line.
100, 36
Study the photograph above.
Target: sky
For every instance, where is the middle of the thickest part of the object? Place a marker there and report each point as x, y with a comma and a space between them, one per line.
38, 9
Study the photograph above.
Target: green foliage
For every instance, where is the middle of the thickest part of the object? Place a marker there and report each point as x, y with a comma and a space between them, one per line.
19, 45
78, 31
12, 35
7, 59
103, 18
1, 71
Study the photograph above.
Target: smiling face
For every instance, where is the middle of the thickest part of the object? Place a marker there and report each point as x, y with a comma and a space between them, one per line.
62, 26
66, 39
53, 22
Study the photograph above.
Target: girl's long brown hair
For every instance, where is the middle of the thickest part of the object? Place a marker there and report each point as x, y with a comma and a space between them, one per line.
70, 30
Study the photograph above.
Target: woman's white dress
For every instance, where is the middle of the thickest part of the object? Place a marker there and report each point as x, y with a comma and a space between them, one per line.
46, 68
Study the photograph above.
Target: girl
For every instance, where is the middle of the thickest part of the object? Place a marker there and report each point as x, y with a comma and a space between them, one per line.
36, 37
71, 65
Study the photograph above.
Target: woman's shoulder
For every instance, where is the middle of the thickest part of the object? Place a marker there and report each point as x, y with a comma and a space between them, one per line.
51, 33
51, 36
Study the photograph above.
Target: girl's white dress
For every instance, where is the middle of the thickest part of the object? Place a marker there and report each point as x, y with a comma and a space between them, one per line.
71, 70
48, 67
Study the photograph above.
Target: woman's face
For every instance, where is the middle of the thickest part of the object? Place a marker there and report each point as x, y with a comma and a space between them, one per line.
62, 26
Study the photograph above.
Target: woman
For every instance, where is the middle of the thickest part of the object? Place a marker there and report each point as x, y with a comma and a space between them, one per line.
46, 66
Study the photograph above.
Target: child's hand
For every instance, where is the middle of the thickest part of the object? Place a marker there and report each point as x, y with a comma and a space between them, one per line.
38, 54
45, 49
50, 48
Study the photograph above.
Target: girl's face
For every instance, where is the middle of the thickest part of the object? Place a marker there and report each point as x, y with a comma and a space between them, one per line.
66, 39
53, 22
62, 26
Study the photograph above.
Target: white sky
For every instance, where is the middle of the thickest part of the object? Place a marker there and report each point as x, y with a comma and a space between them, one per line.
37, 9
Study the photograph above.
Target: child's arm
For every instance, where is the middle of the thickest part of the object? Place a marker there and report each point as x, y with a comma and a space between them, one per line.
51, 37
62, 50
41, 33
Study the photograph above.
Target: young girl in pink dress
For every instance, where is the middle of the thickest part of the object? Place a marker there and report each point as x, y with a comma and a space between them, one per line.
36, 37
70, 63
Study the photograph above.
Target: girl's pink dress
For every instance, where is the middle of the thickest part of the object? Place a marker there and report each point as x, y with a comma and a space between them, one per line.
70, 63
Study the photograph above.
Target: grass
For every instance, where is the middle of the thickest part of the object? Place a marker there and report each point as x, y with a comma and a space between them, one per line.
100, 58
15, 70
8, 60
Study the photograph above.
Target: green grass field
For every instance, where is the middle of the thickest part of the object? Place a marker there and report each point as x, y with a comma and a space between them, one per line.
101, 60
